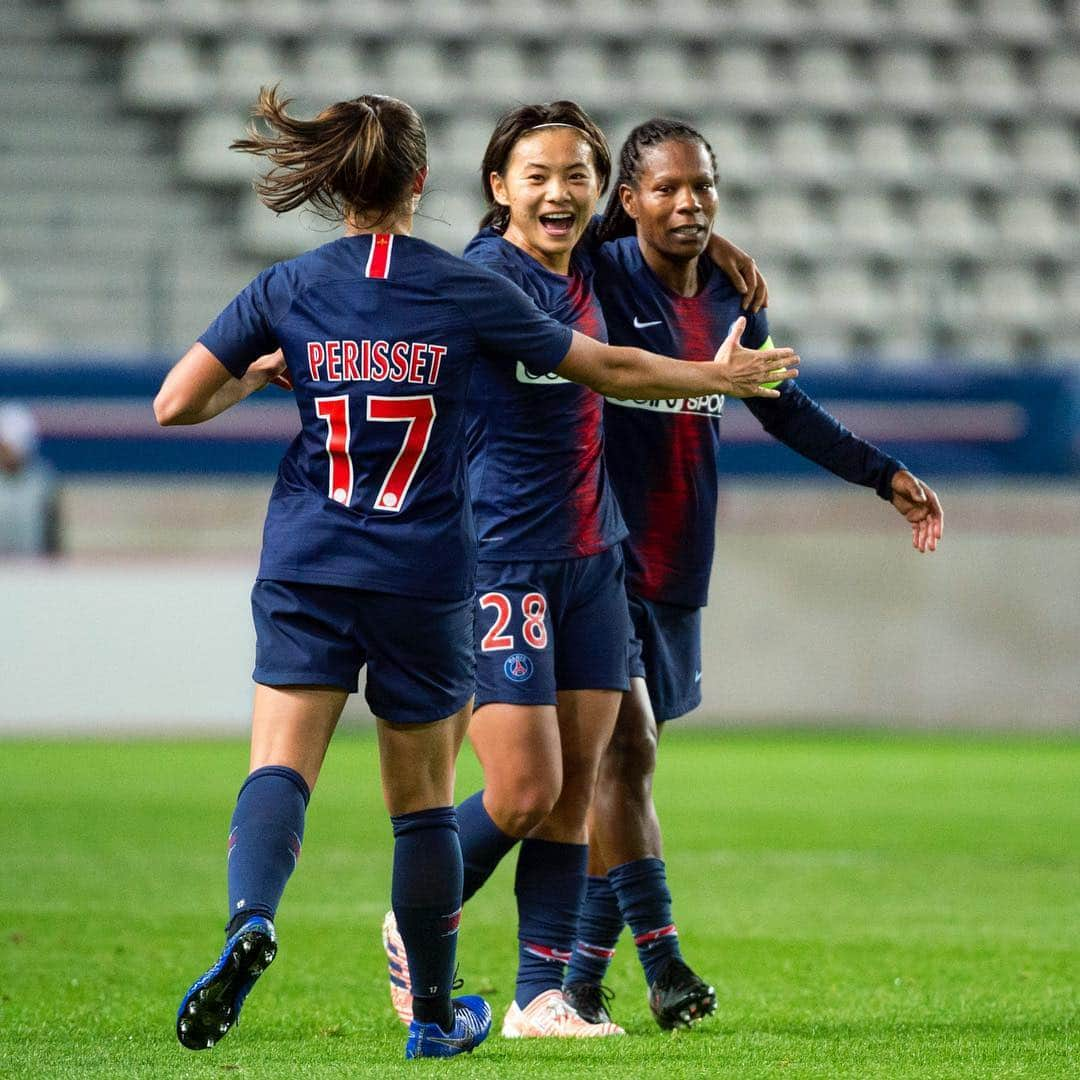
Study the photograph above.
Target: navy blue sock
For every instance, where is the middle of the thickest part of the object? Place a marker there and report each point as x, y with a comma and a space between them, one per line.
645, 903
426, 898
550, 887
599, 928
483, 843
264, 841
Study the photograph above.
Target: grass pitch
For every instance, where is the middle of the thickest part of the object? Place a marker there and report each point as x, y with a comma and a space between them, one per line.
866, 906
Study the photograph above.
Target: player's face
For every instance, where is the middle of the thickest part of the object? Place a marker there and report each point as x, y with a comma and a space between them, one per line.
551, 187
674, 201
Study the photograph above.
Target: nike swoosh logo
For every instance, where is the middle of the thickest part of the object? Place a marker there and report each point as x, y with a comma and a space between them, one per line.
462, 1042
697, 676
639, 325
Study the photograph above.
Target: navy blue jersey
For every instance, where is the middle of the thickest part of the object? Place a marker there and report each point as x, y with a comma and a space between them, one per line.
536, 442
663, 456
381, 336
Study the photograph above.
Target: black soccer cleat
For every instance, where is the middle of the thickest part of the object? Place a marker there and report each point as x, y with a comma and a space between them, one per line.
680, 998
212, 1004
590, 1001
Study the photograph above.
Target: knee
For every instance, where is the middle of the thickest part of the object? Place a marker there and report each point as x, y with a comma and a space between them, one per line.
630, 759
519, 808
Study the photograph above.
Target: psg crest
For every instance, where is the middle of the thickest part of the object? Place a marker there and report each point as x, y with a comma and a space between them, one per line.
518, 668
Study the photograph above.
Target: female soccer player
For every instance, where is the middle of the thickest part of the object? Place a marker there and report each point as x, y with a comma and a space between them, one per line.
368, 534
657, 291
551, 655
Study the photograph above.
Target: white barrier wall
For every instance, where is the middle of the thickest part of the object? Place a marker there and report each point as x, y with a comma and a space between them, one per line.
820, 611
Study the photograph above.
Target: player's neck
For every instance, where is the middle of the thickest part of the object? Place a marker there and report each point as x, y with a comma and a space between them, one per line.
679, 275
400, 225
557, 262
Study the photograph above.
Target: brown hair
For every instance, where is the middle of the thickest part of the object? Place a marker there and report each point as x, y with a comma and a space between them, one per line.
517, 123
357, 157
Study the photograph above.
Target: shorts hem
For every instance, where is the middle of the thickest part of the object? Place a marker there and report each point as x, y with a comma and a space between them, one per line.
415, 716
303, 678
501, 700
674, 712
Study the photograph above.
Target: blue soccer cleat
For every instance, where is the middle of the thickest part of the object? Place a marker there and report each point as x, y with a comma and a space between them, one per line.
472, 1022
212, 1004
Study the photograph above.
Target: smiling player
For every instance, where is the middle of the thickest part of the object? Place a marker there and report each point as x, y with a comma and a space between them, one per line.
657, 290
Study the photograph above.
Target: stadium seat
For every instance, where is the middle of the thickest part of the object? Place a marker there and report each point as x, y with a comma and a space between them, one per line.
419, 72
244, 66
742, 78
741, 156
970, 152
1019, 22
1059, 81
281, 18
108, 17
788, 222
1049, 152
332, 69
165, 74
855, 20
826, 78
942, 21
660, 77
807, 150
274, 236
203, 150
369, 18
906, 80
948, 225
869, 223
502, 69
776, 20
458, 147
987, 83
580, 71
449, 218
1031, 226
886, 150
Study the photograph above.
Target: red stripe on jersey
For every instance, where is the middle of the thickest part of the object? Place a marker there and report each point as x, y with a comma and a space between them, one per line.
656, 935
378, 262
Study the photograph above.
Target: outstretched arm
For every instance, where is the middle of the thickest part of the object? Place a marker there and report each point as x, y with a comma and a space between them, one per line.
633, 373
199, 387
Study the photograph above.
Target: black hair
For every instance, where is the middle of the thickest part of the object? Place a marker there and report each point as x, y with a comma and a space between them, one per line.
517, 123
616, 221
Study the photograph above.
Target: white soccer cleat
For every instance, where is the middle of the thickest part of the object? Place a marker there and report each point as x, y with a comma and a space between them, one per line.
548, 1016
398, 964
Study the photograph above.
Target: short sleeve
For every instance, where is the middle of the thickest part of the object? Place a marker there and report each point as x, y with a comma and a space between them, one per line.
244, 331
509, 325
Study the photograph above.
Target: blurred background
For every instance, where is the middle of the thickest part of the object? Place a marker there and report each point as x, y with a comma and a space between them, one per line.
905, 172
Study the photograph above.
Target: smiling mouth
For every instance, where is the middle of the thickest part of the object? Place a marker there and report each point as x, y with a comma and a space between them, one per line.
688, 232
560, 224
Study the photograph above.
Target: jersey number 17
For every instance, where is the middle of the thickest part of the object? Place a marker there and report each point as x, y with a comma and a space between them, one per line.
417, 412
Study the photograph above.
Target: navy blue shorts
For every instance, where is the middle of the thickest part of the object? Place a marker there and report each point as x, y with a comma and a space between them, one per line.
547, 626
419, 653
665, 650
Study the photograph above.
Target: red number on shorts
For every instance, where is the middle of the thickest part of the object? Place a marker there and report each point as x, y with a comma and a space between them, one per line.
495, 639
335, 411
534, 608
419, 413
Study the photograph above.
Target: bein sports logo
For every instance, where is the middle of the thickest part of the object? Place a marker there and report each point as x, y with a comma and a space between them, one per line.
518, 668
708, 406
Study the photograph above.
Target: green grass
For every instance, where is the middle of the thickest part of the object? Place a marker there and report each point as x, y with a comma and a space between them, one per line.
866, 906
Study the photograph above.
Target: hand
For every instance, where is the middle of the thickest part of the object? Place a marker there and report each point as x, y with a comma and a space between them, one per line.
920, 506
267, 369
744, 370
741, 271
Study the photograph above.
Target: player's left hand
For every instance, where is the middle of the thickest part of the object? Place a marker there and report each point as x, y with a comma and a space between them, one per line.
741, 271
920, 506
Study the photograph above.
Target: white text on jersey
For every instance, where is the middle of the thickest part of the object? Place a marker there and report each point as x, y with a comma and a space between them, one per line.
374, 361
708, 405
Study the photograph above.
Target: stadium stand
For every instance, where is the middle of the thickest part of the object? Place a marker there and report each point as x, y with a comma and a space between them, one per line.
926, 144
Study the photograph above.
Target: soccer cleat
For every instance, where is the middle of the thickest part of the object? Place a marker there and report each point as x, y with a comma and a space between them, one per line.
679, 998
549, 1015
212, 1004
398, 963
590, 1001
472, 1022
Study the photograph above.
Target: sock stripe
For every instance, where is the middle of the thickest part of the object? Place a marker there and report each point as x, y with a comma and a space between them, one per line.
545, 952
656, 935
596, 951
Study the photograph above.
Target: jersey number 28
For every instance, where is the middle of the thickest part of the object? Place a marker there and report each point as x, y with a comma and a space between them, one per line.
418, 412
